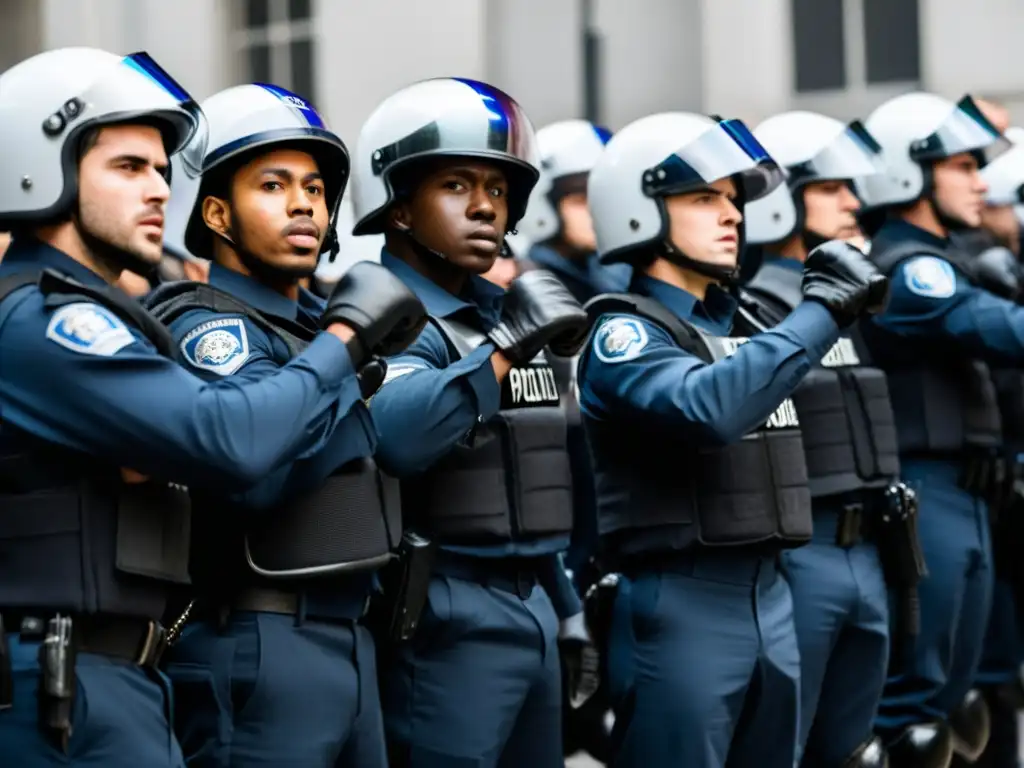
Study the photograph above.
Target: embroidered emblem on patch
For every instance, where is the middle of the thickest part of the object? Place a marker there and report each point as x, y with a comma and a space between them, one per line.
931, 277
89, 329
221, 346
620, 339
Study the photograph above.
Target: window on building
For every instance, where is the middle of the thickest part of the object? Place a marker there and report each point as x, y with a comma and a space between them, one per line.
277, 44
892, 41
819, 41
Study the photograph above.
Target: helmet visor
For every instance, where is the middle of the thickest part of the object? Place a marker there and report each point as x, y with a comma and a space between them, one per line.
853, 154
965, 129
138, 88
723, 151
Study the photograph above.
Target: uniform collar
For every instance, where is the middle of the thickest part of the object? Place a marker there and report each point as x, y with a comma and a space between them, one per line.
900, 230
714, 314
481, 297
259, 296
553, 260
28, 253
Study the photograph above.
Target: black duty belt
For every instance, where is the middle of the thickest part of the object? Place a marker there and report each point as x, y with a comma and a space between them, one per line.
132, 639
289, 603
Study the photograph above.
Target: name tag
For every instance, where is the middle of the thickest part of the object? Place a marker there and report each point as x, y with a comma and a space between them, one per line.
529, 387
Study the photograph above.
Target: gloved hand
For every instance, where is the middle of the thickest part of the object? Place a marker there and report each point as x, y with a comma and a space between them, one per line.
385, 315
997, 271
539, 312
580, 661
839, 276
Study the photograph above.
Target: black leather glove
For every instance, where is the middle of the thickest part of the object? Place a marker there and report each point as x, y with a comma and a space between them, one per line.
385, 315
839, 276
997, 271
539, 312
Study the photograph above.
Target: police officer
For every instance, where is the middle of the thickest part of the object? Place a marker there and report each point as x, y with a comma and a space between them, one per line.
283, 578
469, 416
846, 419
701, 478
557, 222
931, 342
995, 250
93, 405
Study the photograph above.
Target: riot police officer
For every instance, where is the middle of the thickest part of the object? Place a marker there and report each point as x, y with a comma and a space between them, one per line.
701, 478
994, 248
469, 417
93, 405
557, 222
932, 343
846, 419
284, 577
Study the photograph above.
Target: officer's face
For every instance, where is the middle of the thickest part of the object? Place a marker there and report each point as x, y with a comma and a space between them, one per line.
502, 273
830, 209
705, 225
577, 226
277, 212
1000, 221
122, 190
5, 240
460, 210
959, 188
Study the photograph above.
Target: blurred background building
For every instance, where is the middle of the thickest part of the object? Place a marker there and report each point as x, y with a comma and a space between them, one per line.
609, 60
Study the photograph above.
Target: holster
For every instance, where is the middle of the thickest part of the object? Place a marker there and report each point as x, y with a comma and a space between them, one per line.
598, 610
57, 683
405, 581
899, 548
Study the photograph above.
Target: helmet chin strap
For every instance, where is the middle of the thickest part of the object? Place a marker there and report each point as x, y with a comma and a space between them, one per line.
725, 275
421, 250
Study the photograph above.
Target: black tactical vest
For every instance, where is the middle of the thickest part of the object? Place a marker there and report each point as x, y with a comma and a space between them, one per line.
350, 524
753, 491
509, 478
945, 404
73, 536
846, 417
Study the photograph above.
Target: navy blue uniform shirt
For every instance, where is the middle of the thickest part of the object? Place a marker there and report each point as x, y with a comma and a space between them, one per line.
439, 401
931, 299
634, 373
585, 278
78, 376
214, 345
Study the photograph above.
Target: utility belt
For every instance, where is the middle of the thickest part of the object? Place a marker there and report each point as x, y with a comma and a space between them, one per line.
62, 637
284, 602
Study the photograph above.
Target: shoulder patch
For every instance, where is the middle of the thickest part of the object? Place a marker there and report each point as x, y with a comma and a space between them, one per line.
931, 277
220, 346
88, 328
620, 339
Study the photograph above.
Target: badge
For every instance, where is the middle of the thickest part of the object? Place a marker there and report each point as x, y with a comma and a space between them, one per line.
931, 277
89, 329
620, 339
220, 346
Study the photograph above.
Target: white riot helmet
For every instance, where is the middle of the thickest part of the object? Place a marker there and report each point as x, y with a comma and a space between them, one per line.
1005, 174
443, 117
567, 150
812, 148
915, 130
49, 100
239, 123
671, 154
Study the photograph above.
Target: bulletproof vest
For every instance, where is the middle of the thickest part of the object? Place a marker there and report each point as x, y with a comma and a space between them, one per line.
944, 403
349, 524
753, 491
73, 535
846, 417
509, 478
